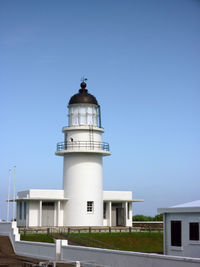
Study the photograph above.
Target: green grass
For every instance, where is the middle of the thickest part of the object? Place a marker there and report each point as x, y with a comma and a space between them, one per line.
136, 241
37, 238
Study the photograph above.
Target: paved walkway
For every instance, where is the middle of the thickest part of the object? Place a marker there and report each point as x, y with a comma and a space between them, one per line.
9, 259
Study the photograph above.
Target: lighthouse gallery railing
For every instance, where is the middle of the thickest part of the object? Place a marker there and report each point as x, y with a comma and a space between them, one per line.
88, 145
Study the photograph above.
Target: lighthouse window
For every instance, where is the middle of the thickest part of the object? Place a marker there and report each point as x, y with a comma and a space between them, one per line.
89, 116
75, 116
82, 115
90, 206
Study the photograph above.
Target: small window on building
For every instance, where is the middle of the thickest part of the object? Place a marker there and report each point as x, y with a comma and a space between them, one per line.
194, 231
104, 210
20, 210
176, 233
90, 206
24, 210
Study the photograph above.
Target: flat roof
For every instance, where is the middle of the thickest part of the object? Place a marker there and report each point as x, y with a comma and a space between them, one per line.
124, 200
193, 206
43, 199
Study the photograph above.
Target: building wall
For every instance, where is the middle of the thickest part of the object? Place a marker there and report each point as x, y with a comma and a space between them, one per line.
61, 216
22, 213
189, 248
83, 182
83, 135
34, 213
121, 197
117, 195
127, 217
40, 193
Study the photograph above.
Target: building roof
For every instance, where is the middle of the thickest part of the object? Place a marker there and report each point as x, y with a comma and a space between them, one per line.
193, 206
83, 97
119, 196
40, 194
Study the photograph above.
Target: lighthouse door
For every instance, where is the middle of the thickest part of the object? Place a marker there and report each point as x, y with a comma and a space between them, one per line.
48, 214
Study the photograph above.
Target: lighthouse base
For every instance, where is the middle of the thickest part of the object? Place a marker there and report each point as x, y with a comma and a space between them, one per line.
83, 186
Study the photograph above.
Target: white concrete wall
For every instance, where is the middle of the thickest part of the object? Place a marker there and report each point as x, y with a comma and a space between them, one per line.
117, 195
103, 257
41, 193
44, 251
129, 221
82, 182
49, 194
106, 220
61, 215
10, 229
189, 248
84, 135
115, 258
34, 213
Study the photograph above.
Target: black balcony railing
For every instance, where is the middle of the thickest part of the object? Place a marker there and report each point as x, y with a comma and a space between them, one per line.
83, 145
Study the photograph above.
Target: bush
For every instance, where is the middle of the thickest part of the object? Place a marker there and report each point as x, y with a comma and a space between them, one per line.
140, 217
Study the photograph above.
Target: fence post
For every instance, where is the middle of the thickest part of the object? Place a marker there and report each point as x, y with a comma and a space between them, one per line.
110, 230
90, 230
130, 230
68, 230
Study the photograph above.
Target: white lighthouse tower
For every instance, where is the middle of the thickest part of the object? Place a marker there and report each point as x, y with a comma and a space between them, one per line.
83, 151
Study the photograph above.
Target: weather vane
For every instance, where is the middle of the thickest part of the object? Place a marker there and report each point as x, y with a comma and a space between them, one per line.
83, 79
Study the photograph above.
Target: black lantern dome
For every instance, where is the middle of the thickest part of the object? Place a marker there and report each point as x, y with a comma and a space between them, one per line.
83, 97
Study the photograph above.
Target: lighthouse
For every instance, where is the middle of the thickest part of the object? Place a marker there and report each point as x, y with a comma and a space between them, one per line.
83, 152
82, 200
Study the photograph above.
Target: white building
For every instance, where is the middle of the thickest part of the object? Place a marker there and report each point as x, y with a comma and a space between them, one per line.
181, 229
82, 202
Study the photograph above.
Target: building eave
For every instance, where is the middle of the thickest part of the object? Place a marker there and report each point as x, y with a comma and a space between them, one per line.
179, 210
123, 200
43, 199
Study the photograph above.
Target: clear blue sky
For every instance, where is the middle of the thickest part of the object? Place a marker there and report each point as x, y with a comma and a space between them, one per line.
142, 61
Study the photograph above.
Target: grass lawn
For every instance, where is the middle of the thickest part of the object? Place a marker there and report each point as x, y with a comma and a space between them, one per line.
136, 241
37, 238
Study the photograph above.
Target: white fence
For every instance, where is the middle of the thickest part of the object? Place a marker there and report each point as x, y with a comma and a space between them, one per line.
61, 251
43, 251
115, 258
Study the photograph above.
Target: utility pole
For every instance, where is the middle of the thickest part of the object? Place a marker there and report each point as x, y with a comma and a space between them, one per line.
8, 194
14, 192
